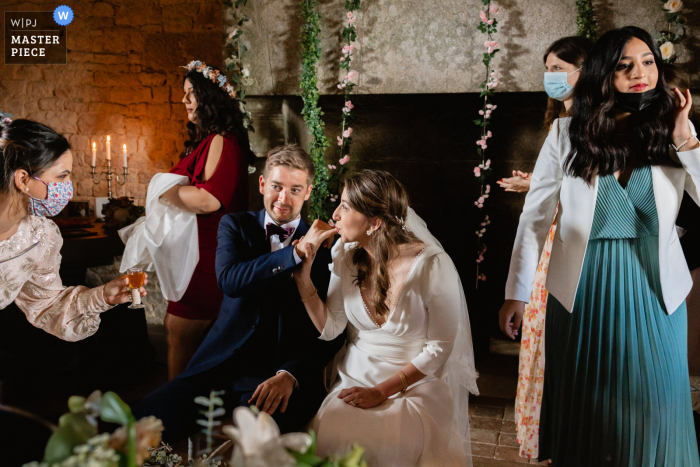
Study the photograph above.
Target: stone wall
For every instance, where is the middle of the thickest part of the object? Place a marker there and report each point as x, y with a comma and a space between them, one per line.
414, 46
122, 79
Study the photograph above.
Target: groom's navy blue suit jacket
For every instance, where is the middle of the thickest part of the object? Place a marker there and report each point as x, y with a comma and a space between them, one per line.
259, 292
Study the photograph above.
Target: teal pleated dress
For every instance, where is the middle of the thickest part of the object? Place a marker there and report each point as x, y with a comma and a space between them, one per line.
616, 387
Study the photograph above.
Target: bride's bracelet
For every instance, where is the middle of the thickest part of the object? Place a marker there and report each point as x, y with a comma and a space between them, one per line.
404, 380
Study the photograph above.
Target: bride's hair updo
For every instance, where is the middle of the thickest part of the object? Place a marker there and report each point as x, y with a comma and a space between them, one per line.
377, 194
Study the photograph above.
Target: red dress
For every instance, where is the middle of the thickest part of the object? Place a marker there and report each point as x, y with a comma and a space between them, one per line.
228, 184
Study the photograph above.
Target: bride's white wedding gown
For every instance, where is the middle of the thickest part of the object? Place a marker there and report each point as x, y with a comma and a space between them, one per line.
418, 427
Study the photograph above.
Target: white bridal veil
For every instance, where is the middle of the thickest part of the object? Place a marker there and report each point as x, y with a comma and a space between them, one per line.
460, 372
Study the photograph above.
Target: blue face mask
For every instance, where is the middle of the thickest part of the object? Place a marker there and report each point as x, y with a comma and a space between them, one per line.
556, 86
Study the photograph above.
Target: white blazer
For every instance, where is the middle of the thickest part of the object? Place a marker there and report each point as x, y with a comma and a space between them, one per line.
577, 200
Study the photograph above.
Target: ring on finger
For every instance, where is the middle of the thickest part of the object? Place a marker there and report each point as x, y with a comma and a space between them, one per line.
353, 403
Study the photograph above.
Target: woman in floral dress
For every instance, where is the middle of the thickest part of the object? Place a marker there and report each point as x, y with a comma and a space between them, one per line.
564, 56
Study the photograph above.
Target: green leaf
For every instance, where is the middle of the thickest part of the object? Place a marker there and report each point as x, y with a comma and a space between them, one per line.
76, 404
114, 410
73, 430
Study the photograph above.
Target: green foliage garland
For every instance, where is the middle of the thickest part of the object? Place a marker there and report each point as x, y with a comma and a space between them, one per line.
585, 19
310, 55
240, 76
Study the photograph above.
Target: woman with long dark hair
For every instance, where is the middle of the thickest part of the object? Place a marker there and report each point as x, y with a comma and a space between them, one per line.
35, 171
616, 390
563, 61
403, 385
215, 159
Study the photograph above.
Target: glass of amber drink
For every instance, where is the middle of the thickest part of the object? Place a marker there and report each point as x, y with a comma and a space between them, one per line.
136, 278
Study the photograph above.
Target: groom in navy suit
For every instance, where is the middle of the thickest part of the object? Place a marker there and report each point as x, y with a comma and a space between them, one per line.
263, 348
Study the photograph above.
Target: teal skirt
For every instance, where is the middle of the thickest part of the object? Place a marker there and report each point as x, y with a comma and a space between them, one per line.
616, 387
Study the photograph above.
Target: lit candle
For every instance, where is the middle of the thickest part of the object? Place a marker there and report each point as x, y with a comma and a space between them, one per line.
94, 153
126, 164
109, 153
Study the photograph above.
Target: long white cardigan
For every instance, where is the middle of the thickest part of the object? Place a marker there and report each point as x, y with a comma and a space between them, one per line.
577, 200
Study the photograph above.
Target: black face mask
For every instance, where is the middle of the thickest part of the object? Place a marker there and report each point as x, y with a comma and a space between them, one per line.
635, 101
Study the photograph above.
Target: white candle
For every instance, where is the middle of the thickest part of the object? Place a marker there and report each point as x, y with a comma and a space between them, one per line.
126, 164
94, 153
109, 152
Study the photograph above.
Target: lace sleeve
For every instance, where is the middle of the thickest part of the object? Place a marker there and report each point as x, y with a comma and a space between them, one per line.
69, 313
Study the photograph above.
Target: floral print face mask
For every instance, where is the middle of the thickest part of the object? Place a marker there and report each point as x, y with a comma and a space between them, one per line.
58, 196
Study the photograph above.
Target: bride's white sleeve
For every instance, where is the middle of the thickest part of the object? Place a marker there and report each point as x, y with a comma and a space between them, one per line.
336, 319
441, 291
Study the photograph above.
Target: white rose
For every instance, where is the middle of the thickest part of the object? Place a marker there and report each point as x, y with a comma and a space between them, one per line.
673, 6
245, 72
667, 50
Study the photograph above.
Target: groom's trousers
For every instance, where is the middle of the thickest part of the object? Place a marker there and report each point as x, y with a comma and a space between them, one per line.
239, 376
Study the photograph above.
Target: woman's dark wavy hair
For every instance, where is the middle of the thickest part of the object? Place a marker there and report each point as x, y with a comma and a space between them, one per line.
27, 145
592, 127
216, 112
573, 50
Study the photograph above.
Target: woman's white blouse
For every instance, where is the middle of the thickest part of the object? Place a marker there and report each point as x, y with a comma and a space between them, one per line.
32, 281
424, 321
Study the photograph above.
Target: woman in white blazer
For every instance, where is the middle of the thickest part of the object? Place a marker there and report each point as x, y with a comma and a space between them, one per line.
616, 386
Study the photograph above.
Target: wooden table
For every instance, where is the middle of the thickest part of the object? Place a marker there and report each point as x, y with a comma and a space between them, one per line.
80, 253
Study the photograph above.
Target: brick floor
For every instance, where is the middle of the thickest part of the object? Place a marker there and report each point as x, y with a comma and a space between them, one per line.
493, 434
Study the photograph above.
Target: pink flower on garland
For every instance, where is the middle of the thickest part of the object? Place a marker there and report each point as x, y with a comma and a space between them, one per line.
347, 133
484, 18
494, 10
477, 172
351, 18
340, 141
491, 45
344, 160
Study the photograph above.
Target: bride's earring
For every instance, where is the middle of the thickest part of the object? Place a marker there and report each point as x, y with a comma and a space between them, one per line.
369, 233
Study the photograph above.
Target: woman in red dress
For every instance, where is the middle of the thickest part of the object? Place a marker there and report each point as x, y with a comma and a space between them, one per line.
215, 159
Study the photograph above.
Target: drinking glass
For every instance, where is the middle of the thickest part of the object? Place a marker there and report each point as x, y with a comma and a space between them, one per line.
136, 278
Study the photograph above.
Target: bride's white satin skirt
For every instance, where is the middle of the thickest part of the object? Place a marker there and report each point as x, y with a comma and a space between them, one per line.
410, 429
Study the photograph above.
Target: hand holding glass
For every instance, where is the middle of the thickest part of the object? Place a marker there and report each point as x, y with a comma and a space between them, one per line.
136, 278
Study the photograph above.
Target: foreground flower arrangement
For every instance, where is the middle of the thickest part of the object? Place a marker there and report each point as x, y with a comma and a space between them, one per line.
256, 439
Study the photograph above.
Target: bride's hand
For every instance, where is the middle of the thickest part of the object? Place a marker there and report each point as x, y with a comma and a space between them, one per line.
364, 398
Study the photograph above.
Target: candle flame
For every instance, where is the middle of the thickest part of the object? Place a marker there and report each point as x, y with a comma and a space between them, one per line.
107, 137
94, 145
124, 147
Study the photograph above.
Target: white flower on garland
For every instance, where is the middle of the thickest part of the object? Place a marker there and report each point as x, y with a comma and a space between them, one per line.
667, 50
259, 443
673, 6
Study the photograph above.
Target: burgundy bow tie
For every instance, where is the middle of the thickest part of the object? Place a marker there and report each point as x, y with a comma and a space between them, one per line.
274, 229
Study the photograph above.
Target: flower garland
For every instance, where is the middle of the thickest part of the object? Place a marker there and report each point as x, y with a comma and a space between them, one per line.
212, 74
487, 25
585, 19
311, 54
347, 85
240, 75
674, 32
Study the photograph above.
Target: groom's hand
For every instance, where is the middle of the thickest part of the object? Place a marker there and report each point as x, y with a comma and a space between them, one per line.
274, 393
319, 234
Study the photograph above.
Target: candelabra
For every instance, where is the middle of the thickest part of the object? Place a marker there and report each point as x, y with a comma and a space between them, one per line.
108, 177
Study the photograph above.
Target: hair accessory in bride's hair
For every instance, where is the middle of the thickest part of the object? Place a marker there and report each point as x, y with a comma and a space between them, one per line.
212, 74
402, 223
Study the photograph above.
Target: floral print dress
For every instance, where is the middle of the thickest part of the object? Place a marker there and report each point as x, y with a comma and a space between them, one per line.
528, 399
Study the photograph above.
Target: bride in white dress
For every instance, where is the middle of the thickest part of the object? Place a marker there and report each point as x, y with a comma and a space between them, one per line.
403, 382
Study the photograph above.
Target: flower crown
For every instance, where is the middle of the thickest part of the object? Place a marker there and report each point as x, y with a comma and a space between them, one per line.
212, 74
